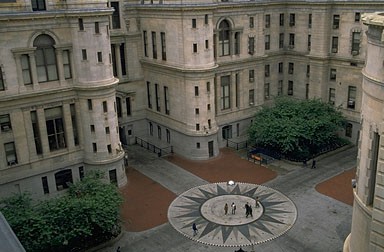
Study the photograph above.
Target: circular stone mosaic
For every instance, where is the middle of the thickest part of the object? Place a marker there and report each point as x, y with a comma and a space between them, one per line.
204, 206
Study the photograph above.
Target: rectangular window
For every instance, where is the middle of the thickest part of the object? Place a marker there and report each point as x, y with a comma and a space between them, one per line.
74, 124
149, 95
122, 59
335, 44
193, 22
290, 87
206, 44
168, 135
159, 132
105, 107
196, 91
309, 42
109, 148
292, 20
355, 43
44, 182
166, 100
145, 39
267, 42
251, 97
36, 133
307, 91
92, 127
310, 20
55, 128
99, 57
291, 40
209, 124
206, 19
281, 40
90, 107
97, 28
251, 75
267, 21
237, 43
266, 70
26, 69
281, 67
197, 111
197, 145
118, 107
194, 48
154, 46
81, 24
237, 92
281, 20
38, 5
308, 70
251, 22
197, 126
5, 123
266, 91
94, 147
84, 54
332, 74
331, 96
208, 107
225, 92
10, 153
128, 106
208, 86
280, 87
336, 21
357, 16
81, 172
150, 129
351, 97
290, 68
67, 65
157, 95
163, 46
251, 45
107, 131
115, 15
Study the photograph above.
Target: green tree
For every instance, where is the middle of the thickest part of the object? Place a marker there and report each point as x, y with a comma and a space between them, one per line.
86, 215
298, 128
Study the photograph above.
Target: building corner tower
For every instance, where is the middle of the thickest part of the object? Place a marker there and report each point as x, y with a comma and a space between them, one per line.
367, 232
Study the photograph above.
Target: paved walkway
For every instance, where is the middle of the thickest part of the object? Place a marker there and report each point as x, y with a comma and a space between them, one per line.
322, 222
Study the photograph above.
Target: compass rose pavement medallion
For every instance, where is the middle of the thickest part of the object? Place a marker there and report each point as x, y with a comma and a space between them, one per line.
204, 206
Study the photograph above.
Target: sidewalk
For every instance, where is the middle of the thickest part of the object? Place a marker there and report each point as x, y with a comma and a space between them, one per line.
323, 223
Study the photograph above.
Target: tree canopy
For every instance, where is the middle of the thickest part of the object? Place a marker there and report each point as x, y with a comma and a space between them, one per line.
297, 128
87, 214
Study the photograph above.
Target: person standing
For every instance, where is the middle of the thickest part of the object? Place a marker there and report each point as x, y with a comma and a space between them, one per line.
257, 202
194, 228
226, 209
246, 210
233, 206
250, 210
313, 164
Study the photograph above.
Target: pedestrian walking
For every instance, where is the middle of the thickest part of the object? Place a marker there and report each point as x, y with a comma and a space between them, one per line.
257, 202
246, 210
194, 228
226, 209
250, 210
233, 206
118, 249
313, 164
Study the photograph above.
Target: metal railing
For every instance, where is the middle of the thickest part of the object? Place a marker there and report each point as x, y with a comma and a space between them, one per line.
237, 145
151, 147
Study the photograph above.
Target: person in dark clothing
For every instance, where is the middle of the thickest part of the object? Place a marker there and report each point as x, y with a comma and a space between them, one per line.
246, 210
313, 164
194, 228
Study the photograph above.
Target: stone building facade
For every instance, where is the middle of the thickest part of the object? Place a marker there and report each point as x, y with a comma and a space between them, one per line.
368, 223
79, 77
57, 96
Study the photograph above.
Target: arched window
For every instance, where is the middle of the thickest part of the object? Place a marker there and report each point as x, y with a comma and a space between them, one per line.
45, 58
224, 38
